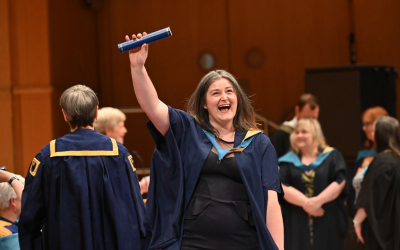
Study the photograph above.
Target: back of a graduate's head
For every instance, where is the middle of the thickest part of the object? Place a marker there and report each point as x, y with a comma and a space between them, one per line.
387, 135
79, 104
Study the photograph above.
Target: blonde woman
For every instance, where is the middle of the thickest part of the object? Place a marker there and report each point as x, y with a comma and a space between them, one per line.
111, 122
313, 177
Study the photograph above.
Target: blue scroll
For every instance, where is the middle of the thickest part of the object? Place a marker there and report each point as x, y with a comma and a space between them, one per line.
149, 38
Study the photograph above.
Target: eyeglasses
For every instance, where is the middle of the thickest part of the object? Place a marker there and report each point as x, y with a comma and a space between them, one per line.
366, 124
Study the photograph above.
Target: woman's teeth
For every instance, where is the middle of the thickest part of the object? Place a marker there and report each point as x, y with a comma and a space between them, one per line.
227, 107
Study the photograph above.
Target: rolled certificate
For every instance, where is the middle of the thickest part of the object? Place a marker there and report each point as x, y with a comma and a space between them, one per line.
149, 38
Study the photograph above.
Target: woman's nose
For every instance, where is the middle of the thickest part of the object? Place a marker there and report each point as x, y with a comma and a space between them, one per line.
224, 96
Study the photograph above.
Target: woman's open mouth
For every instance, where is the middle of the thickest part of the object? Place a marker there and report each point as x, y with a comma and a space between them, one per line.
224, 108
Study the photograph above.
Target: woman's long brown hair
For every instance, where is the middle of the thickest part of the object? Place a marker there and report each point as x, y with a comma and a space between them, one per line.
244, 118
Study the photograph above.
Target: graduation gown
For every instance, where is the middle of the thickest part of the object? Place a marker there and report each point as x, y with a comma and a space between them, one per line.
380, 197
281, 140
328, 230
83, 191
176, 164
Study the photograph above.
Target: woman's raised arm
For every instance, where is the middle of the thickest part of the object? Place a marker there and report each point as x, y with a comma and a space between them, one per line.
144, 89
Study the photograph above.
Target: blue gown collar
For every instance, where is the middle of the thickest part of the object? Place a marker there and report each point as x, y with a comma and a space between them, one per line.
247, 139
365, 153
291, 157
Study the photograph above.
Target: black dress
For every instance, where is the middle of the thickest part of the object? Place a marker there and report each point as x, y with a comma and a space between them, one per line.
219, 214
304, 232
380, 197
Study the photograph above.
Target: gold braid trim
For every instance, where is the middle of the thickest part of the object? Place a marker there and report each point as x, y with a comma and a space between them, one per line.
113, 152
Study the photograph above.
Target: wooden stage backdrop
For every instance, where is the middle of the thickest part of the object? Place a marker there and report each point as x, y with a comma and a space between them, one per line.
48, 46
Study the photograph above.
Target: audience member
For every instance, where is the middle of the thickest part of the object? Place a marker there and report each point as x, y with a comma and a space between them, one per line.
214, 179
364, 156
313, 177
111, 122
378, 218
81, 189
307, 107
11, 187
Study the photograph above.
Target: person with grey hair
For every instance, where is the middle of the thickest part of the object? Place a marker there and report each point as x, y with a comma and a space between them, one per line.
81, 189
10, 202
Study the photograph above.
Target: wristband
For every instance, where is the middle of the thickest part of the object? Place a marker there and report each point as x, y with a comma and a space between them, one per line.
356, 223
12, 179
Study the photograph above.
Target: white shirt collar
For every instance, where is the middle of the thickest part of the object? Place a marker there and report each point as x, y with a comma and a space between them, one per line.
291, 123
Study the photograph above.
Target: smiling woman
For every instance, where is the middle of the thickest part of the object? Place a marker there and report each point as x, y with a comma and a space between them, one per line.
214, 175
220, 105
313, 177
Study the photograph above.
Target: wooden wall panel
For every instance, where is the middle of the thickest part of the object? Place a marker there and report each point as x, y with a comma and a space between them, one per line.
377, 32
293, 35
73, 53
172, 63
29, 42
6, 132
35, 126
196, 26
57, 44
30, 80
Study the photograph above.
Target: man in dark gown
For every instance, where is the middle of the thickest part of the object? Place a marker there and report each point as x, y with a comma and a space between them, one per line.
82, 190
307, 107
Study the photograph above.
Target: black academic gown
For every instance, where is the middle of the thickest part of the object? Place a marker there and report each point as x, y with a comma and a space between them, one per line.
176, 164
380, 197
83, 191
281, 140
328, 230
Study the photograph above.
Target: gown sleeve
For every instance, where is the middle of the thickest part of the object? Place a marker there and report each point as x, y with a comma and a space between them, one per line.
33, 211
338, 169
179, 122
165, 197
270, 171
